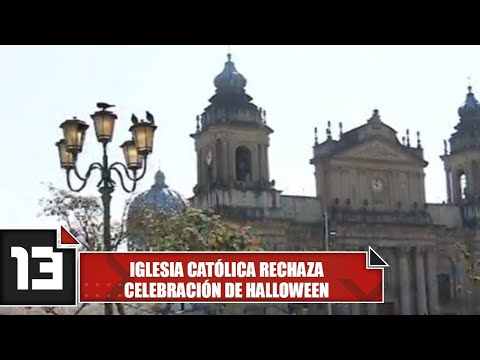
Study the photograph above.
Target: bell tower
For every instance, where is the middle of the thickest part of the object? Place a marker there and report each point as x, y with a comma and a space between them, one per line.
462, 160
231, 141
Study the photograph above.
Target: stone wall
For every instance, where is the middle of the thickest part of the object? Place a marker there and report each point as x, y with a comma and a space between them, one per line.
300, 208
447, 215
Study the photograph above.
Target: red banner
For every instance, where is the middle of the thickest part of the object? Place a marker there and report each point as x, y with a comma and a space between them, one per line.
254, 277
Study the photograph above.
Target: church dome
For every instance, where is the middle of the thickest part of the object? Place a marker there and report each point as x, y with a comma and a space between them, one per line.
471, 105
230, 78
160, 198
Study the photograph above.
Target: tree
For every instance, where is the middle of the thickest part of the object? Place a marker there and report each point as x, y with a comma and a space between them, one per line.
189, 230
82, 216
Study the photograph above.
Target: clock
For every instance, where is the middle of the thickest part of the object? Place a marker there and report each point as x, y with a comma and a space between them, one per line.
377, 185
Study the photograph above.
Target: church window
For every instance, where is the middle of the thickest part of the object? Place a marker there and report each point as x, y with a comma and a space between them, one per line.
243, 162
463, 184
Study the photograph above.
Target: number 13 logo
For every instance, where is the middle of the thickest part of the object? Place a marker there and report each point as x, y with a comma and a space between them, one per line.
53, 267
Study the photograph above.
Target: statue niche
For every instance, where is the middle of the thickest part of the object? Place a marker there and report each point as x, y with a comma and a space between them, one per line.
243, 164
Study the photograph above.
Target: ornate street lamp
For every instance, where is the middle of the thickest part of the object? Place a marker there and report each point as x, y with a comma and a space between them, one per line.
133, 159
104, 121
67, 161
74, 132
135, 151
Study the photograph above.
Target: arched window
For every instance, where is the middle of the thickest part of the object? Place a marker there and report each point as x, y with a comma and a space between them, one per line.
463, 184
243, 164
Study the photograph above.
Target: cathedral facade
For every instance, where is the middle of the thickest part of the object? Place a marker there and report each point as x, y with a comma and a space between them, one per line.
370, 188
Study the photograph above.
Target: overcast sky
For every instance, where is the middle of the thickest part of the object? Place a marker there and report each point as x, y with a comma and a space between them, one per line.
414, 87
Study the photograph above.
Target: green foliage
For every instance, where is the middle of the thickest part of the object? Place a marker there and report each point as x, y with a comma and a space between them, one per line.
191, 230
82, 216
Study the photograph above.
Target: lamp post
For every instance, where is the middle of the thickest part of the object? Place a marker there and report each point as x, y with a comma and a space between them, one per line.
135, 151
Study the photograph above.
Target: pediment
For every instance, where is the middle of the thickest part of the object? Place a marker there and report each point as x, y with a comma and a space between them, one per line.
379, 150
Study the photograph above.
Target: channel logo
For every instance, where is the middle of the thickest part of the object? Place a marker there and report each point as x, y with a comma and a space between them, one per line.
36, 270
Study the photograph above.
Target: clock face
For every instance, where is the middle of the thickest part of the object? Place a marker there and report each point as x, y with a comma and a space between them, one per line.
377, 185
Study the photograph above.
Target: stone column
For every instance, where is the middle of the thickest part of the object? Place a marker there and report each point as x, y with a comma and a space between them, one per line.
226, 169
392, 289
405, 297
432, 282
456, 190
265, 169
470, 180
200, 176
215, 163
259, 160
422, 308
231, 160
449, 186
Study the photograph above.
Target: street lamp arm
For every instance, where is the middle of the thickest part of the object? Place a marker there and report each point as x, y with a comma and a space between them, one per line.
127, 172
84, 179
89, 171
134, 179
134, 186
